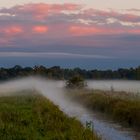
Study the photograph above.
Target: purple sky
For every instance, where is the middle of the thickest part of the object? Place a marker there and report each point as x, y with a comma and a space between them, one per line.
91, 34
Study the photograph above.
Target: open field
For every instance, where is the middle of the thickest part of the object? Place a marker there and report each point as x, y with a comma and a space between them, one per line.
33, 117
119, 106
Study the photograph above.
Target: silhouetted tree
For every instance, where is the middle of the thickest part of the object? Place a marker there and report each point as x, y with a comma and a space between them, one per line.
75, 82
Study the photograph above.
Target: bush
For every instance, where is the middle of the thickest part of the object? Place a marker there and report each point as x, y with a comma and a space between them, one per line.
76, 82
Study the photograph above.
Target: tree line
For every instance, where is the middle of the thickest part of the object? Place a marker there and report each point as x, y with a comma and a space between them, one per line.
57, 72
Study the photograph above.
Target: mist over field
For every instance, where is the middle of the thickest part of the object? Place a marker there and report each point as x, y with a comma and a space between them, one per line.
51, 89
54, 90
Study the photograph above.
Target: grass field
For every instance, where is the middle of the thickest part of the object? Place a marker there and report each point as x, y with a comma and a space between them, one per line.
33, 117
119, 106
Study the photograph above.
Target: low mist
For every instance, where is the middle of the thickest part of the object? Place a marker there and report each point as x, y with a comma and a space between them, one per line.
49, 88
52, 89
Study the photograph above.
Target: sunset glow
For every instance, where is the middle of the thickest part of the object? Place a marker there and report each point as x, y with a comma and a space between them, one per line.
40, 29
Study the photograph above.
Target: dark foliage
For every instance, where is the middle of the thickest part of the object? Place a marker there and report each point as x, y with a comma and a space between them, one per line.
60, 73
75, 82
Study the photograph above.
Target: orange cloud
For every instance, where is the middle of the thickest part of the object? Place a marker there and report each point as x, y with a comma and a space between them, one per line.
40, 29
13, 30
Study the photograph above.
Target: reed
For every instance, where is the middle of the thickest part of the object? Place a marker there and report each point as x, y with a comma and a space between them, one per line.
121, 106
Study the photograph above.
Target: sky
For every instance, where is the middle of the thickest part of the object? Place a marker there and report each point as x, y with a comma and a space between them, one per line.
90, 34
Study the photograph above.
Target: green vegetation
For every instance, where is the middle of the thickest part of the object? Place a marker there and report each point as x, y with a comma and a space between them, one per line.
75, 82
120, 106
57, 72
33, 117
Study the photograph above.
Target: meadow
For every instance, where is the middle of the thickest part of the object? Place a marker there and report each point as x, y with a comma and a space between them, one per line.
30, 116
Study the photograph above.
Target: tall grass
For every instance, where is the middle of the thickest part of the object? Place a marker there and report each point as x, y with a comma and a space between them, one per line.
33, 117
120, 106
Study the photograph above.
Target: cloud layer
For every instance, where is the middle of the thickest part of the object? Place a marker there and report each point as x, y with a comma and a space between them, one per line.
45, 33
39, 23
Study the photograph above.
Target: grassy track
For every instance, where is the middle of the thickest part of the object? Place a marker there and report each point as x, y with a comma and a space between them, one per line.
33, 117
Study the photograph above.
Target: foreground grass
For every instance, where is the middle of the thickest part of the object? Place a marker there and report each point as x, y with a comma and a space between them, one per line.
120, 106
33, 117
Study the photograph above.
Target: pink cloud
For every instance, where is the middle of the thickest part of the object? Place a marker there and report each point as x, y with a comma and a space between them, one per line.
134, 31
64, 7
126, 17
12, 30
83, 30
40, 29
88, 30
130, 18
40, 10
35, 22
